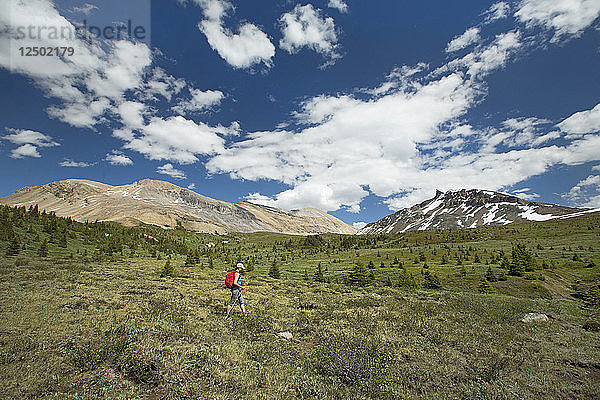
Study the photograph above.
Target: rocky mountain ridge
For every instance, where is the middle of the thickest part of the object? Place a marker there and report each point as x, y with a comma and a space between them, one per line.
468, 209
167, 205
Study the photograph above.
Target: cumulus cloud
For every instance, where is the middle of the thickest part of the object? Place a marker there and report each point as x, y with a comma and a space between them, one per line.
28, 142
131, 113
305, 26
470, 36
248, 47
199, 101
340, 5
582, 122
118, 158
191, 186
176, 139
26, 150
168, 169
564, 17
75, 164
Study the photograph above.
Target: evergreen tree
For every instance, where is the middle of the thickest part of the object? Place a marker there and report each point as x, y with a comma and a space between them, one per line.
486, 287
43, 250
274, 270
359, 275
431, 281
62, 240
522, 260
191, 259
14, 248
319, 274
490, 276
168, 270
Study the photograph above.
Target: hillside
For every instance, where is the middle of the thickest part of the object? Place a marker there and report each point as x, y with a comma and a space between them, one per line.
166, 205
468, 209
92, 311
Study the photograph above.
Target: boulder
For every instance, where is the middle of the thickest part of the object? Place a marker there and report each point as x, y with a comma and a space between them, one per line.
535, 317
286, 335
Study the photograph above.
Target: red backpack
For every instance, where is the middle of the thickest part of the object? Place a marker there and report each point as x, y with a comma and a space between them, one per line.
229, 279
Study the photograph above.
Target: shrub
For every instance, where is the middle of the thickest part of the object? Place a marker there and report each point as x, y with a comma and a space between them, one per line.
591, 298
141, 364
354, 360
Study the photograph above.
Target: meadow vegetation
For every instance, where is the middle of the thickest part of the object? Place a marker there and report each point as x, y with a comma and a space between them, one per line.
98, 310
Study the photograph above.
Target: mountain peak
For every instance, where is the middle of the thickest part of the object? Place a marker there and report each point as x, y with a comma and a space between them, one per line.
467, 208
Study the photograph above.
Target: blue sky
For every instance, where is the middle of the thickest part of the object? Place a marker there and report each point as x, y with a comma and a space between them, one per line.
358, 108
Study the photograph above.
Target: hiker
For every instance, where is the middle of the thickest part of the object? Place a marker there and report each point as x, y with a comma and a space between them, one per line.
236, 288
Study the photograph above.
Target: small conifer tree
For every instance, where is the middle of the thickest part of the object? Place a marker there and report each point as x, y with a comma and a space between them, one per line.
43, 250
274, 270
486, 287
168, 269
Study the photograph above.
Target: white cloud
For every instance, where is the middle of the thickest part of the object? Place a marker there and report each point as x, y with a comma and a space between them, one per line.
199, 101
359, 225
26, 136
596, 168
176, 139
191, 186
160, 83
26, 150
87, 83
168, 169
28, 142
304, 26
118, 158
582, 122
75, 164
484, 59
586, 193
248, 47
339, 4
564, 17
131, 113
470, 36
526, 194
85, 9
497, 11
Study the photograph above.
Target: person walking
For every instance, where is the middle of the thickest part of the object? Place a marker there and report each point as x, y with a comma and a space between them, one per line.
236, 289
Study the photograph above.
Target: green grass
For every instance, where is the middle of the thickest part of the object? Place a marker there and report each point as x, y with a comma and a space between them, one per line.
73, 328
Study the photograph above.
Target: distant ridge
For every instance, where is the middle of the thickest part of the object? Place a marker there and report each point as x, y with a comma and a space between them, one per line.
167, 205
468, 209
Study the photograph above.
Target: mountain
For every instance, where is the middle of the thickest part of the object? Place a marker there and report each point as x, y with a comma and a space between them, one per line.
467, 209
167, 205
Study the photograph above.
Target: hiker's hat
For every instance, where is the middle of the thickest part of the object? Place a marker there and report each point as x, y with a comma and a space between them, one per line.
240, 266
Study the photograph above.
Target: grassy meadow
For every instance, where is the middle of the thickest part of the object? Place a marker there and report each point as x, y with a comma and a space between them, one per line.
89, 311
